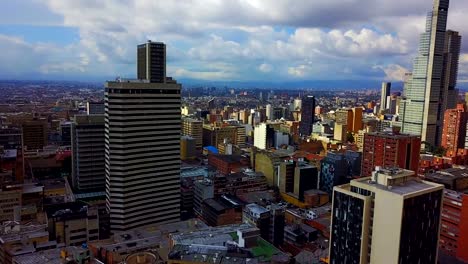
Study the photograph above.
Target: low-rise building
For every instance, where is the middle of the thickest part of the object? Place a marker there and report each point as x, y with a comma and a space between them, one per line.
222, 211
73, 223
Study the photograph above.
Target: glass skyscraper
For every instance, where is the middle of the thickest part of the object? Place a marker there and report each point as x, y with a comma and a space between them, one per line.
430, 88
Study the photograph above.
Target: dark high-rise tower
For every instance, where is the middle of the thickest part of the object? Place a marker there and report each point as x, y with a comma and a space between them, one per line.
151, 63
449, 75
142, 149
87, 140
307, 115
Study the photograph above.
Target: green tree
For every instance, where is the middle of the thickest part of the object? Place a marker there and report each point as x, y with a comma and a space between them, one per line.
439, 151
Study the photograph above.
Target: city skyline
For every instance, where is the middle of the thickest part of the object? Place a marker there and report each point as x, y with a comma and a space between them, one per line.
245, 41
213, 141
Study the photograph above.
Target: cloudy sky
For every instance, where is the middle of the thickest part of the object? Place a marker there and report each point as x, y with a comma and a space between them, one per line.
269, 40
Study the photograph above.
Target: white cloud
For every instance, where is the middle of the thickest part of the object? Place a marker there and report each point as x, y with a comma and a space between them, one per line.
265, 67
299, 71
463, 68
235, 39
393, 72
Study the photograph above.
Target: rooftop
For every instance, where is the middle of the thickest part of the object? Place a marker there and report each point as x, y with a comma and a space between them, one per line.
216, 236
68, 210
224, 202
51, 256
393, 135
257, 197
398, 181
9, 153
256, 209
148, 237
448, 176
264, 251
228, 158
189, 172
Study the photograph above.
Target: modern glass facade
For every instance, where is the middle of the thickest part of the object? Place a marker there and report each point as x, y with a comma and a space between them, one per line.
427, 94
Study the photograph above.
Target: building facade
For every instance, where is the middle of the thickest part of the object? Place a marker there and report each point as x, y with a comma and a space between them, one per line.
386, 86
392, 205
35, 134
427, 92
390, 150
88, 153
307, 115
194, 128
151, 62
142, 150
454, 132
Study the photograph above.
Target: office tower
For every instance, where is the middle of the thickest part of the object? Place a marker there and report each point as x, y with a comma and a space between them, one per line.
215, 135
269, 112
386, 86
264, 136
151, 63
95, 108
297, 177
240, 136
344, 116
142, 150
187, 148
390, 150
391, 217
357, 119
430, 88
450, 68
340, 132
35, 134
338, 168
454, 132
88, 153
307, 115
65, 133
286, 171
393, 102
194, 128
11, 153
244, 116
349, 117
305, 178
11, 138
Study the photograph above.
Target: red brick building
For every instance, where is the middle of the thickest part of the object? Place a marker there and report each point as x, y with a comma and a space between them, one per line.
390, 150
227, 164
453, 135
454, 231
453, 239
